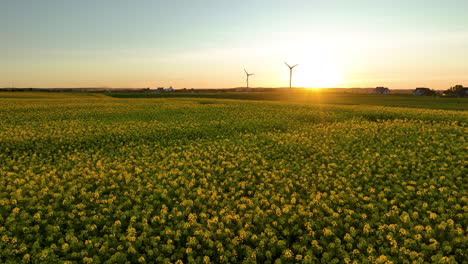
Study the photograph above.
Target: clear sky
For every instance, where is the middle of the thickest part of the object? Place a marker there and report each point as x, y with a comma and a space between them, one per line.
401, 44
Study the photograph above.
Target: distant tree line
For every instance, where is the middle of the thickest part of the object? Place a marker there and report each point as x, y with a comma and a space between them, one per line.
456, 91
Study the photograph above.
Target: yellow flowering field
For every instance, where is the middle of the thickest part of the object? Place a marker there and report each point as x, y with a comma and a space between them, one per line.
85, 178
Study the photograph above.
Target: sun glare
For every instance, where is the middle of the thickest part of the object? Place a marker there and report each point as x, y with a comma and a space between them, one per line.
315, 77
319, 66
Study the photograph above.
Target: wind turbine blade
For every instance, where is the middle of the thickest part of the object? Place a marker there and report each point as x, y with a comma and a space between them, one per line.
246, 71
287, 64
295, 65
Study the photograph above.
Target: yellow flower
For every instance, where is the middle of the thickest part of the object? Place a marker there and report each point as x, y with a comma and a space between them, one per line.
87, 260
26, 258
37, 216
288, 253
188, 250
327, 232
382, 259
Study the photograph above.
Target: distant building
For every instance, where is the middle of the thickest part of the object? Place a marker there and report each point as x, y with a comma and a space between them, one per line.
422, 91
170, 89
381, 90
158, 90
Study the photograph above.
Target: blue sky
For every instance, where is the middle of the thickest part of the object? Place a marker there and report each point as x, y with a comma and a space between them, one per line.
67, 43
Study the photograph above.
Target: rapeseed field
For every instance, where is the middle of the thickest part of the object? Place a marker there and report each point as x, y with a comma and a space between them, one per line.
86, 178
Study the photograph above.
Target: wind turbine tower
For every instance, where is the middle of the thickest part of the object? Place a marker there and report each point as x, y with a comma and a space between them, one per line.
290, 72
248, 74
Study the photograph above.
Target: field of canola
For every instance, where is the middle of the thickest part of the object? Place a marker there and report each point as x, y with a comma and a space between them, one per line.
93, 179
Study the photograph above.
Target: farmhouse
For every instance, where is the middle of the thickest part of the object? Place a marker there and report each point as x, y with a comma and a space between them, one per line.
381, 90
162, 90
158, 90
464, 92
422, 91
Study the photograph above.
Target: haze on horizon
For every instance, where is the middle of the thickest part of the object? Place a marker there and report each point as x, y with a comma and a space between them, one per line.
206, 44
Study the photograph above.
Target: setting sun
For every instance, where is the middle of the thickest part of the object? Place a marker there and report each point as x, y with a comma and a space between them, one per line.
318, 66
316, 77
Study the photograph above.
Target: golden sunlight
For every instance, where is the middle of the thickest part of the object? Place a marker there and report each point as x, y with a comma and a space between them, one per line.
316, 77
319, 66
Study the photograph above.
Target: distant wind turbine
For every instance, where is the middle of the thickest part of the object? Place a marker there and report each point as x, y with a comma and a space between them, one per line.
290, 73
248, 74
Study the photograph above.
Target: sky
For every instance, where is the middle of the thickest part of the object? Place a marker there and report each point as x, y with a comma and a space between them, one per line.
399, 44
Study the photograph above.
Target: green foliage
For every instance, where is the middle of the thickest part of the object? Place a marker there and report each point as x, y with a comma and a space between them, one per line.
456, 90
105, 180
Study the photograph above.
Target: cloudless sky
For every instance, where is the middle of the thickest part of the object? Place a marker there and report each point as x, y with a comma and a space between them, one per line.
401, 44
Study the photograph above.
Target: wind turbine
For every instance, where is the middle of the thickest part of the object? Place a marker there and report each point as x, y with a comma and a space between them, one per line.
290, 72
248, 74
